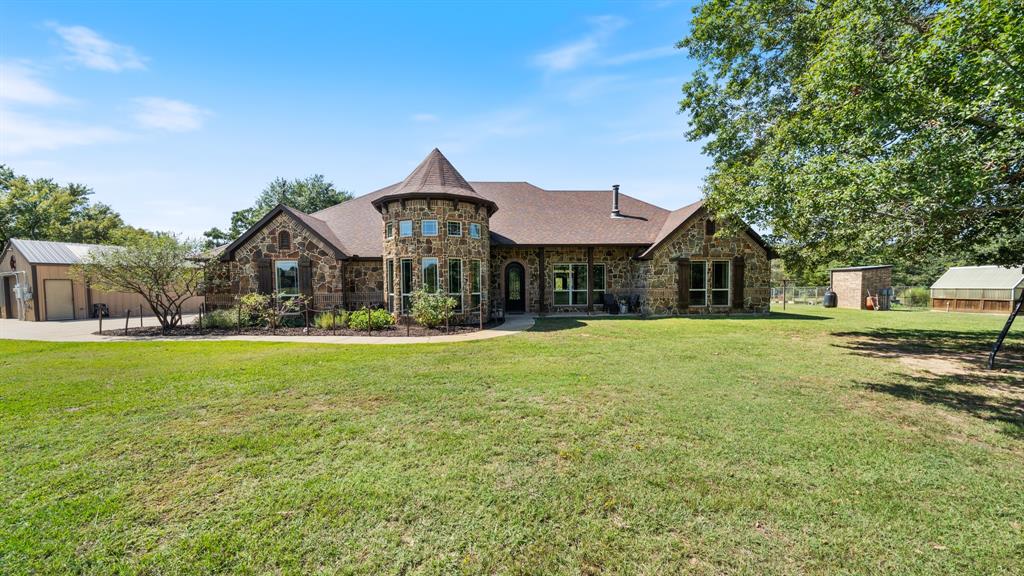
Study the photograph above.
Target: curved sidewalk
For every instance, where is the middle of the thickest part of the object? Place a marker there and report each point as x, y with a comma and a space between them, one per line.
82, 331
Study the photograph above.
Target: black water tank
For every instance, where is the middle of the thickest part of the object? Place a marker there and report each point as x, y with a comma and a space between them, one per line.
829, 301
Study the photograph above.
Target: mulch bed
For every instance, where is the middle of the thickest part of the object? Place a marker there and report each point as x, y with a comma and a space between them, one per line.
190, 330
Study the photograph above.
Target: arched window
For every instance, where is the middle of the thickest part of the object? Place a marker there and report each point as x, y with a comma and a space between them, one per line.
709, 227
284, 240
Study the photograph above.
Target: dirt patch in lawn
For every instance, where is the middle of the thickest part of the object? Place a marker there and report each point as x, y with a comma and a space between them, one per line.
949, 368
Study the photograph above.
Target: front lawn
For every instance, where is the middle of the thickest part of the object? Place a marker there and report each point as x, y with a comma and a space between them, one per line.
816, 441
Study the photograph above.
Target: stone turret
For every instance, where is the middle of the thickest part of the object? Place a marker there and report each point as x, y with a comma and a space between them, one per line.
436, 218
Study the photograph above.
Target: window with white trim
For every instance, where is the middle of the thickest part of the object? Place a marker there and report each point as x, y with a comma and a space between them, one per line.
406, 285
429, 271
474, 230
698, 283
454, 228
389, 229
389, 290
405, 228
570, 284
475, 282
428, 227
455, 282
720, 273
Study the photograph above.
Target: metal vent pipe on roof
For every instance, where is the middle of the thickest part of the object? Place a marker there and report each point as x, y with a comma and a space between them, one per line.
615, 201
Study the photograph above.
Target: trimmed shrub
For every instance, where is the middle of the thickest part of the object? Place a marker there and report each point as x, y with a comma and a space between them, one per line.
329, 320
370, 319
220, 319
432, 309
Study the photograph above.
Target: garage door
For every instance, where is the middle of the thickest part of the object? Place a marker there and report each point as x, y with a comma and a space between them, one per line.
59, 305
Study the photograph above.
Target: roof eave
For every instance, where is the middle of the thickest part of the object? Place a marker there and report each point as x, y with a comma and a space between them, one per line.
229, 252
379, 202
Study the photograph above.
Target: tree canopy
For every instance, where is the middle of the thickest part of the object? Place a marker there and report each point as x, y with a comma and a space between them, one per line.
159, 267
306, 194
41, 209
864, 130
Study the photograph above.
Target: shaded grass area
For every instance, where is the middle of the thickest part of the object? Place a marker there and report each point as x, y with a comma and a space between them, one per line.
769, 445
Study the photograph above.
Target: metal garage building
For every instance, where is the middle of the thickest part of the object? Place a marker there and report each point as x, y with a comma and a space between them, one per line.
978, 289
35, 284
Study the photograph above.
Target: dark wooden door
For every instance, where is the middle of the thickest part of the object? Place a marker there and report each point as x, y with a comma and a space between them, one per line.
515, 288
8, 290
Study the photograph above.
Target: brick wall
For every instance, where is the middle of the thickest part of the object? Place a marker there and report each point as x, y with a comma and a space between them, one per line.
852, 286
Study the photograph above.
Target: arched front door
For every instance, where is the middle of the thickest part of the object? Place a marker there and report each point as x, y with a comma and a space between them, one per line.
515, 288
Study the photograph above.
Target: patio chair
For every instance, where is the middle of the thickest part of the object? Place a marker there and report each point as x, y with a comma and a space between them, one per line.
611, 304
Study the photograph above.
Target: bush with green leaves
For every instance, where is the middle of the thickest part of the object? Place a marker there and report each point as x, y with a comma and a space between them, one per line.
367, 319
223, 319
432, 309
271, 311
918, 297
330, 320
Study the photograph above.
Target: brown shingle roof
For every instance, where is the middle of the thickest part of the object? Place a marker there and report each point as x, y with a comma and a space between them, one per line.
528, 215
533, 216
435, 177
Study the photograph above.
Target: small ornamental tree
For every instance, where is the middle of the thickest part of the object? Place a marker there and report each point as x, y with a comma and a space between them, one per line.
432, 309
159, 267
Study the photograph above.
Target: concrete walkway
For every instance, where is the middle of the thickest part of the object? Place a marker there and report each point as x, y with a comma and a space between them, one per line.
82, 331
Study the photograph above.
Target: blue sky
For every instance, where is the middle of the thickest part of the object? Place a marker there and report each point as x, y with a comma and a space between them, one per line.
177, 114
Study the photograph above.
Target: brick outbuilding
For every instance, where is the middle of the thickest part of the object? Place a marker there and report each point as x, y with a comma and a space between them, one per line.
854, 284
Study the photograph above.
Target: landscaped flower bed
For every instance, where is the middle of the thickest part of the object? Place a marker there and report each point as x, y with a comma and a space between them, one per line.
391, 331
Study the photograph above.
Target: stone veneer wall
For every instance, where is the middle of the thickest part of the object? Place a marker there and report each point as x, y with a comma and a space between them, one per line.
691, 242
240, 275
622, 273
364, 283
442, 246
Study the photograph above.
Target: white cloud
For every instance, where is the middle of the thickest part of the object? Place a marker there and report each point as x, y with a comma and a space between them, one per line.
20, 133
91, 50
170, 115
641, 55
574, 54
425, 117
19, 83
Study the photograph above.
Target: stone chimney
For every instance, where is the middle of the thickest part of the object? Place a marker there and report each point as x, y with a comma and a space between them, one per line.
615, 201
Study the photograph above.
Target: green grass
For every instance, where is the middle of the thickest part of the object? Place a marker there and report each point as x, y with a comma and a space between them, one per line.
796, 444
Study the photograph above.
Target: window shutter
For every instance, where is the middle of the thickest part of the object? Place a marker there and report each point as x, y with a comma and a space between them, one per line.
738, 264
683, 283
264, 278
305, 276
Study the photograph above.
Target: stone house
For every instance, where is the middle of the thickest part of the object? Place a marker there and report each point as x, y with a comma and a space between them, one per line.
508, 246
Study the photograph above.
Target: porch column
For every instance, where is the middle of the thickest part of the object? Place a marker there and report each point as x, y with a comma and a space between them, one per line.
590, 279
541, 280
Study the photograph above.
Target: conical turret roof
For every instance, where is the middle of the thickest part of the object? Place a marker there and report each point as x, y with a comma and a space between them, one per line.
435, 177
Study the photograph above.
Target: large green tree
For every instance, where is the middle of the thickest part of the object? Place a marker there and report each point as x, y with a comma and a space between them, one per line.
160, 267
41, 209
306, 194
864, 130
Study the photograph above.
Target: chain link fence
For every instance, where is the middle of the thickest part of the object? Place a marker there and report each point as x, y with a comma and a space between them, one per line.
905, 297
